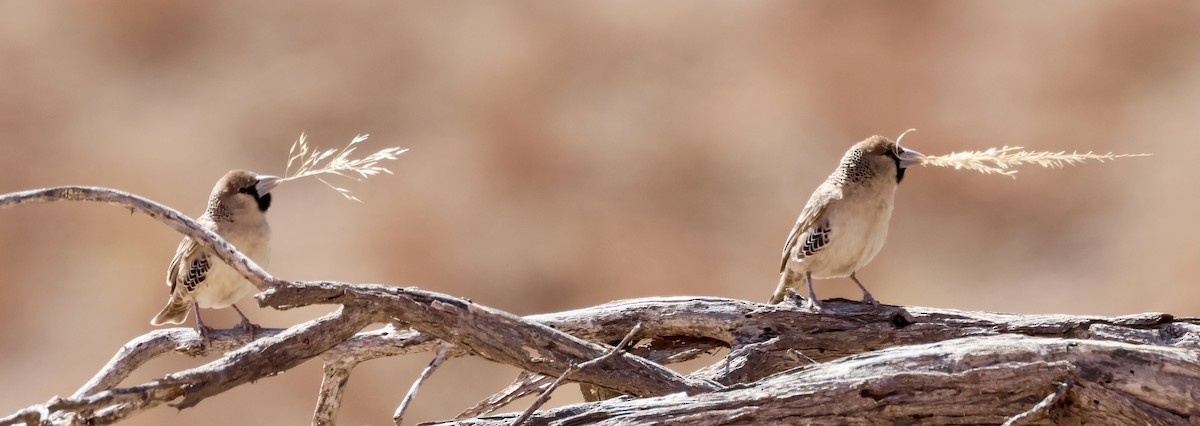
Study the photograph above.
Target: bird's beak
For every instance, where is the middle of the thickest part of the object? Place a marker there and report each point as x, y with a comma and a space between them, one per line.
266, 184
909, 157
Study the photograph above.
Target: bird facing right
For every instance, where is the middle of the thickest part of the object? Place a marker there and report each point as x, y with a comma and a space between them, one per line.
198, 279
845, 221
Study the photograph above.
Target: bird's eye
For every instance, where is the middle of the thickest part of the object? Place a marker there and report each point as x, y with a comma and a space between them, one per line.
247, 190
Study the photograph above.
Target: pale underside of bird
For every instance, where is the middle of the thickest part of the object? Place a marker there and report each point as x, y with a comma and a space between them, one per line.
197, 277
845, 222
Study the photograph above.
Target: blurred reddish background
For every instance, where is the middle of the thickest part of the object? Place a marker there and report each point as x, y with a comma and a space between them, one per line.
569, 154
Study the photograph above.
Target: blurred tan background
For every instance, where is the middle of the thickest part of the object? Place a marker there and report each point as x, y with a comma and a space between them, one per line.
569, 154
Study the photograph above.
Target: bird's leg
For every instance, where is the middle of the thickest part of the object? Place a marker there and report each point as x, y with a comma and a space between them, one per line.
812, 297
201, 328
246, 325
867, 298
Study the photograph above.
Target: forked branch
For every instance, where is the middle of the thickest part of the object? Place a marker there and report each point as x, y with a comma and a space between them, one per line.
1146, 361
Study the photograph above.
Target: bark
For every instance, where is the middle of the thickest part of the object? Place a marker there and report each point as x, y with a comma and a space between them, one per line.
851, 364
975, 380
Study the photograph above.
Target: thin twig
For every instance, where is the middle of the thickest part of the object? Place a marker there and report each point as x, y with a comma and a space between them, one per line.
526, 383
158, 342
1042, 406
545, 396
443, 350
800, 355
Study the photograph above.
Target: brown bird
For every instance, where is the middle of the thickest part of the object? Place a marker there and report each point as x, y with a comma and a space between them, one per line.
845, 221
198, 279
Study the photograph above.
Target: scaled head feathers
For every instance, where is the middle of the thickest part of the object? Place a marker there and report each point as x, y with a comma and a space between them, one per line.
881, 155
242, 188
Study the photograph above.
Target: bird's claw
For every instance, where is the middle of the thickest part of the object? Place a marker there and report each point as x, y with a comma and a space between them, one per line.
870, 301
205, 332
802, 302
812, 305
250, 328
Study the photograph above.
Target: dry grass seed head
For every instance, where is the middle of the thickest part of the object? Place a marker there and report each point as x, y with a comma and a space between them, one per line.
339, 163
1002, 160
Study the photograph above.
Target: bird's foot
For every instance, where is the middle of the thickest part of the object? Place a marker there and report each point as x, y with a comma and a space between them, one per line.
250, 328
812, 305
870, 300
205, 332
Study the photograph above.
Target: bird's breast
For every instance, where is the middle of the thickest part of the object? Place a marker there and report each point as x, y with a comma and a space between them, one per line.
223, 285
858, 228
253, 239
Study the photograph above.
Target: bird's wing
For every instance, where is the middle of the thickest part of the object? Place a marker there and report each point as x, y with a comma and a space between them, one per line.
189, 267
181, 252
811, 218
817, 238
191, 256
197, 269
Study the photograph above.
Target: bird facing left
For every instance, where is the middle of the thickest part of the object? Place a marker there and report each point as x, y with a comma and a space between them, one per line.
197, 278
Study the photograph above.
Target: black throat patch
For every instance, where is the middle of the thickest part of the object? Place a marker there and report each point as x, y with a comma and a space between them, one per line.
899, 170
264, 201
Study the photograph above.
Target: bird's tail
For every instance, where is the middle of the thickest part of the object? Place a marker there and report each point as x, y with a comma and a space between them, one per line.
785, 282
175, 312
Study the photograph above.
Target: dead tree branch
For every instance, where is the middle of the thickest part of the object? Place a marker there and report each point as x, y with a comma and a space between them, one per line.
442, 316
885, 364
442, 352
976, 380
329, 398
545, 395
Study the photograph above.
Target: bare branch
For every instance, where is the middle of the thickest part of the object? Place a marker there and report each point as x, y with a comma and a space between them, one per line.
168, 216
495, 335
443, 350
841, 329
29, 416
977, 380
259, 359
329, 398
270, 356
384, 342
545, 395
158, 342
1041, 407
1140, 363
526, 383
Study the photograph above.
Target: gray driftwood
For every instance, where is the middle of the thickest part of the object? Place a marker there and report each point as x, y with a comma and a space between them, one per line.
974, 380
851, 364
